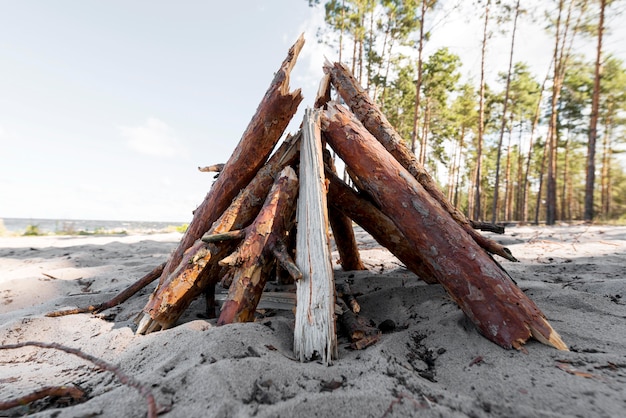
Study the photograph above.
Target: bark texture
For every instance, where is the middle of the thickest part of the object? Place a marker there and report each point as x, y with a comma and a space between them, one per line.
485, 293
263, 132
379, 226
253, 260
376, 123
199, 267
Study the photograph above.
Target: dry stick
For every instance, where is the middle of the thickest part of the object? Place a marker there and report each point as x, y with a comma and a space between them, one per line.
120, 298
485, 293
265, 129
58, 391
199, 268
358, 328
101, 364
215, 168
486, 226
377, 124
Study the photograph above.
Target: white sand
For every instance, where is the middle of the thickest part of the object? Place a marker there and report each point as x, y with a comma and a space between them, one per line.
434, 364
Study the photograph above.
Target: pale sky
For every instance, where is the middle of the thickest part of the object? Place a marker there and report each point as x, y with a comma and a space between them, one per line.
107, 108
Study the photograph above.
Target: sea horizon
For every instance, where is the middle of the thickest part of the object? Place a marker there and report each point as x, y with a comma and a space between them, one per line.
44, 226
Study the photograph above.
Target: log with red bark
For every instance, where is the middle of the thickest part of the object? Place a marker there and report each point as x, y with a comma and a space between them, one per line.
485, 293
315, 329
345, 241
257, 142
343, 233
377, 124
199, 267
345, 199
253, 260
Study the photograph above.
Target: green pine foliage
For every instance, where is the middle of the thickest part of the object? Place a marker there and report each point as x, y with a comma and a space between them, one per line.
379, 41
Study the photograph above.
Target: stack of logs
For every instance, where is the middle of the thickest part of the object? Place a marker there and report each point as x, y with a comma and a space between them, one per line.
259, 212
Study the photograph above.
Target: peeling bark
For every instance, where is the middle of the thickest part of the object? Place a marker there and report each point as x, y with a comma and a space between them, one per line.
253, 260
378, 125
199, 267
483, 290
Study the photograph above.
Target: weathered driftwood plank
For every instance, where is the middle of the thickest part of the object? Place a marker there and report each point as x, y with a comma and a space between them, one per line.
264, 242
199, 267
315, 328
377, 124
263, 132
483, 290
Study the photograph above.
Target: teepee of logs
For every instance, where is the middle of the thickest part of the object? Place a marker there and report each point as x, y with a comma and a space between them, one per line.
271, 207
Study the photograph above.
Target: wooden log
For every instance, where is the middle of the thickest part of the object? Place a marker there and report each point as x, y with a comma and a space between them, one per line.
376, 223
343, 233
358, 328
485, 293
199, 267
377, 124
253, 259
263, 132
315, 328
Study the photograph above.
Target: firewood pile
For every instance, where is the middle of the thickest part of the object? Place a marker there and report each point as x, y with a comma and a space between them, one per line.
270, 202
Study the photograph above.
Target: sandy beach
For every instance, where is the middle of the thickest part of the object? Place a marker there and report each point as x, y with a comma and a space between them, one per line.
433, 363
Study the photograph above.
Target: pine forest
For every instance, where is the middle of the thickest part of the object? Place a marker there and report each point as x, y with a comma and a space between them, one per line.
528, 145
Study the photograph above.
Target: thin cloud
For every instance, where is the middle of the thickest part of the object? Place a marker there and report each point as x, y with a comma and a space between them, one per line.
154, 138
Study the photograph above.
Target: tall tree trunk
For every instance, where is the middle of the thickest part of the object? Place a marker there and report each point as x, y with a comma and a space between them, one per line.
605, 179
542, 169
361, 42
370, 49
520, 174
566, 156
481, 119
552, 132
452, 172
525, 185
494, 216
593, 132
508, 192
425, 129
342, 28
380, 65
418, 83
561, 57
457, 180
